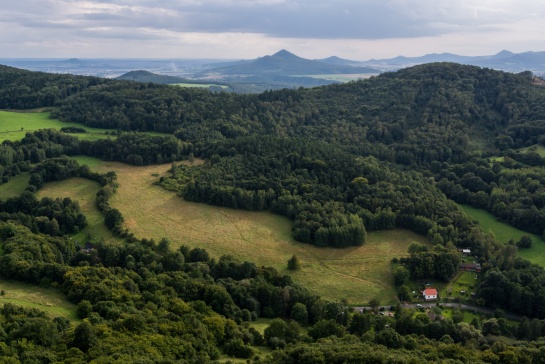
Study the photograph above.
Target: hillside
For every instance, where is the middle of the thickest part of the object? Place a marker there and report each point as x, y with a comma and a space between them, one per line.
504, 60
145, 76
286, 63
398, 151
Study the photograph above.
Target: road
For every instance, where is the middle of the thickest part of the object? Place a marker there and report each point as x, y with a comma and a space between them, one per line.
485, 310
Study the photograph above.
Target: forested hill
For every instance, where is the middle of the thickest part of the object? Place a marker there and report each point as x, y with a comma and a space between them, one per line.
431, 112
307, 144
425, 113
391, 151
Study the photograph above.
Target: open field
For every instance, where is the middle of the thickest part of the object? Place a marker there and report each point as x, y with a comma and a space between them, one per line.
504, 232
341, 77
83, 191
91, 162
15, 186
200, 85
14, 125
358, 273
539, 149
50, 300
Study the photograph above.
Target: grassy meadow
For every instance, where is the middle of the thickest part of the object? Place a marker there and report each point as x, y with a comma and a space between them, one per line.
200, 85
357, 273
341, 77
14, 125
15, 186
505, 232
83, 191
539, 149
52, 301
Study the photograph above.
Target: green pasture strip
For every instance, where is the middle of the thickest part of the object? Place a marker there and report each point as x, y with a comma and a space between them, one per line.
539, 149
84, 191
504, 232
15, 186
50, 300
91, 162
200, 85
340, 77
14, 125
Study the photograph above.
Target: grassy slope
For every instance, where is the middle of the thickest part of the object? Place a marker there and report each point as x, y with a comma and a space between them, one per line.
539, 149
358, 273
199, 85
504, 232
83, 191
15, 186
11, 123
52, 301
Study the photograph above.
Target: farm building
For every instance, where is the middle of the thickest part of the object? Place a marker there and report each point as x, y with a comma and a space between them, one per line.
429, 294
470, 267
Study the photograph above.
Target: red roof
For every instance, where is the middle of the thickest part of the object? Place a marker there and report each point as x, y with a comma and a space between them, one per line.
430, 292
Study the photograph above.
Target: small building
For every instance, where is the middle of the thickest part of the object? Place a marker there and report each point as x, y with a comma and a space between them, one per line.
429, 294
470, 267
466, 251
88, 248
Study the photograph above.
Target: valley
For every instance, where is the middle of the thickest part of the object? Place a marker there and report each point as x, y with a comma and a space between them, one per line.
199, 226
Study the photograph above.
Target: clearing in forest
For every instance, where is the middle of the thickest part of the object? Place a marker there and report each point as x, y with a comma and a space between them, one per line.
357, 273
505, 232
84, 191
15, 124
50, 300
15, 186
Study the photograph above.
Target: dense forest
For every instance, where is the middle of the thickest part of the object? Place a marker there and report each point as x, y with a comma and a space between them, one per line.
397, 150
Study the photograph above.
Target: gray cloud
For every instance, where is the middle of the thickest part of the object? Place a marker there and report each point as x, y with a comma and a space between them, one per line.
206, 23
329, 19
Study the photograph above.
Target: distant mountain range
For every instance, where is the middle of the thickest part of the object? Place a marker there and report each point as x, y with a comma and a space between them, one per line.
284, 63
280, 70
504, 60
146, 76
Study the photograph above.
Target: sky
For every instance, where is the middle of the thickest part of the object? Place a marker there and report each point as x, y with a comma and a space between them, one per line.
246, 29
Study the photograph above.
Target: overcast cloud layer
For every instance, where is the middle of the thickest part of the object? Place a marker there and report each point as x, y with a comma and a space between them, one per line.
354, 29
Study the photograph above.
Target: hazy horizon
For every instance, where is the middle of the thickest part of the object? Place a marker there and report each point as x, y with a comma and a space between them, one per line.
243, 29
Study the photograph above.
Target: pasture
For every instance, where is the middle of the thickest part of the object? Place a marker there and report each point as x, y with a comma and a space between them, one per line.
15, 186
504, 232
201, 85
15, 124
50, 300
537, 148
83, 191
357, 274
341, 77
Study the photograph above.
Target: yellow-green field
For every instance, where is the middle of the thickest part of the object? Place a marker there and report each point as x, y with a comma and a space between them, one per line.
15, 124
83, 191
200, 85
358, 273
341, 77
50, 300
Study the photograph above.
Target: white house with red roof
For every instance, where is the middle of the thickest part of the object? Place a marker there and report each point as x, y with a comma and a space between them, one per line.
429, 294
